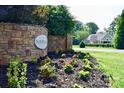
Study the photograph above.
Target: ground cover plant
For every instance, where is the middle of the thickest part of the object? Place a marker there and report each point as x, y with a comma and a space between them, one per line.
69, 70
16, 73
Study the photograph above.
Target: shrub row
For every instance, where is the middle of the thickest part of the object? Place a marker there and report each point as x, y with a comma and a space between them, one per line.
99, 45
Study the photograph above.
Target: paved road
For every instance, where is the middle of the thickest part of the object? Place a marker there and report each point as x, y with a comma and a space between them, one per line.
99, 50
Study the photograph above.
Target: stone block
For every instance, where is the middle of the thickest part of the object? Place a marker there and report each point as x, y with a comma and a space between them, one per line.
19, 27
8, 26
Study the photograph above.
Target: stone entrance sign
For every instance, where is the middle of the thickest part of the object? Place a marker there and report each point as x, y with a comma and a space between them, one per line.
27, 41
41, 41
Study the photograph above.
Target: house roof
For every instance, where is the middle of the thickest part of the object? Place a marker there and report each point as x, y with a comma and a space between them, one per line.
99, 36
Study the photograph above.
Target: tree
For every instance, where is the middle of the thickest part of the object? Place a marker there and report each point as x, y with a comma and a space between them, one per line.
113, 26
25, 14
78, 26
60, 21
57, 19
92, 27
81, 35
119, 36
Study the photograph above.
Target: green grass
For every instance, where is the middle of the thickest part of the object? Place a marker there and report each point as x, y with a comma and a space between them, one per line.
113, 64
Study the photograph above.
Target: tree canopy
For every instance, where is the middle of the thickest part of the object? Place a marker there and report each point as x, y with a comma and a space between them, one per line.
60, 21
78, 26
24, 14
92, 27
119, 36
113, 25
57, 19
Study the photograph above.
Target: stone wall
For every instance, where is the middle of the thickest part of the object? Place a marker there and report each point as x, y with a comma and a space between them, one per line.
18, 39
59, 42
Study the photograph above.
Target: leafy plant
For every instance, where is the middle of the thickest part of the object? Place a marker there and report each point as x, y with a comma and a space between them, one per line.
83, 74
81, 55
68, 68
76, 86
87, 62
47, 70
87, 67
16, 73
47, 60
87, 56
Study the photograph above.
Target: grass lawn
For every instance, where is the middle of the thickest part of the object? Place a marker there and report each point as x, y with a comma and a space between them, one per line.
112, 63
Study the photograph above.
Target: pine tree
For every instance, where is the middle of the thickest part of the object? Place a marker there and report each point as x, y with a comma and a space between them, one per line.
119, 36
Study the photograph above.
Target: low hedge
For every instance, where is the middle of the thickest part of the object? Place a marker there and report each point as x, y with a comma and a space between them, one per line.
99, 45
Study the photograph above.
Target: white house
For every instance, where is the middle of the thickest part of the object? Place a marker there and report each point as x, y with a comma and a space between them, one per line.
100, 37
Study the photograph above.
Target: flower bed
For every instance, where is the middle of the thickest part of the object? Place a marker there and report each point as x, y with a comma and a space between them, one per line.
68, 70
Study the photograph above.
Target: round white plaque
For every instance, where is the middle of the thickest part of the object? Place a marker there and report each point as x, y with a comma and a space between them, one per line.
41, 41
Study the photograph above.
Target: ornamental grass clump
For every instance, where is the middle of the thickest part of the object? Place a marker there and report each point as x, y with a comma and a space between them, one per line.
16, 73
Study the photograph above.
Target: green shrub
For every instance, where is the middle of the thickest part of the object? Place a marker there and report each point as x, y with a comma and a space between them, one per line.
83, 74
76, 86
47, 60
68, 68
47, 70
16, 73
87, 62
87, 67
82, 45
81, 55
87, 56
100, 45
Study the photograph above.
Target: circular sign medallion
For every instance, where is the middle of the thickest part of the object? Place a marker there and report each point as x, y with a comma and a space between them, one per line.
41, 41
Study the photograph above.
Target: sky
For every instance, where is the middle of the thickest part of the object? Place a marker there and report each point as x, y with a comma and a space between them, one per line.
101, 15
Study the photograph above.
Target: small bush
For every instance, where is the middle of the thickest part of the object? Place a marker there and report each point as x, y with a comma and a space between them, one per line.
76, 86
81, 55
87, 62
87, 56
87, 67
16, 73
100, 45
68, 68
82, 45
47, 70
47, 60
83, 74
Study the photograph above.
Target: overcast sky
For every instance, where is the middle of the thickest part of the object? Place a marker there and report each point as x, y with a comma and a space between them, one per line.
101, 15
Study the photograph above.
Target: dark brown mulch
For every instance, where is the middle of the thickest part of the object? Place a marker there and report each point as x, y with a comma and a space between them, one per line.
61, 79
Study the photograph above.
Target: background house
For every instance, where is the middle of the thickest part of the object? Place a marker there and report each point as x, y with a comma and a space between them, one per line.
100, 38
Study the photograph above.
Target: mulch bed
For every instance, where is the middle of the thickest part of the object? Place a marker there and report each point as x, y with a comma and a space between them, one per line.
61, 79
